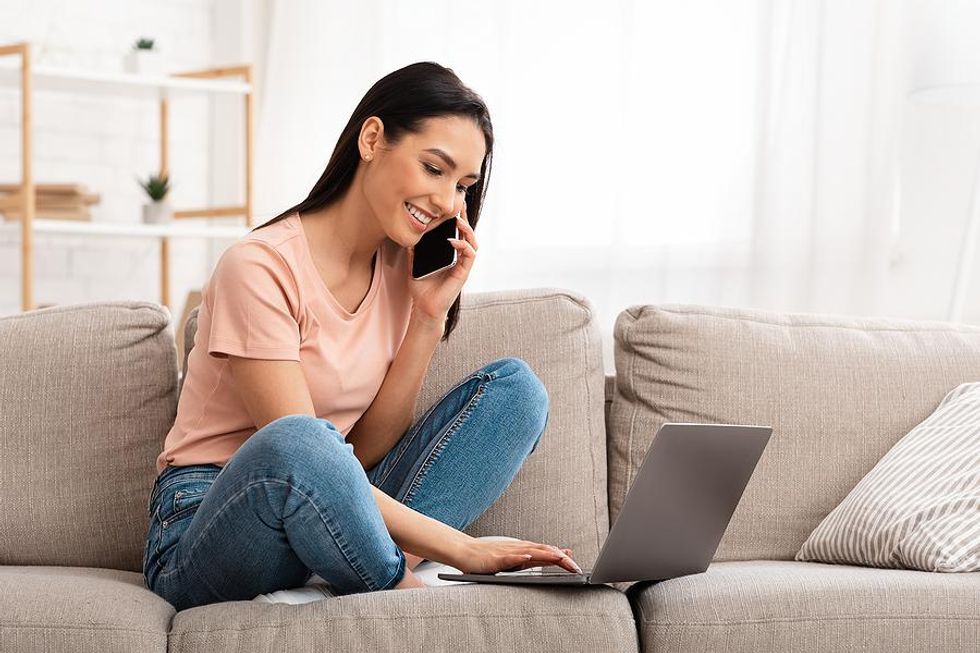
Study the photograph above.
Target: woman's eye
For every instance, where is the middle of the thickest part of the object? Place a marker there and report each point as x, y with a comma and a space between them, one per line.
435, 172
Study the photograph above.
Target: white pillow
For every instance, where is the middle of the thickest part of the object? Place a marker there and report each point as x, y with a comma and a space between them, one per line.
919, 507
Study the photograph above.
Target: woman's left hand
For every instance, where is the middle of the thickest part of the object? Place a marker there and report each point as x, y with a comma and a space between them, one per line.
433, 297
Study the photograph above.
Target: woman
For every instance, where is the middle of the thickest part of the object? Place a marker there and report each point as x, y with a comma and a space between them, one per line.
315, 313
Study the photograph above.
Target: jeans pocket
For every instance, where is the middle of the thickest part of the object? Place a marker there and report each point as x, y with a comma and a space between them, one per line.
187, 498
176, 506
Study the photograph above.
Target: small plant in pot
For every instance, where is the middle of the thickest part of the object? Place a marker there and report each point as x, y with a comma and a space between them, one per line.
158, 211
143, 58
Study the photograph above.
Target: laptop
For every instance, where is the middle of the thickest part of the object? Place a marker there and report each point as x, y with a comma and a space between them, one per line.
675, 513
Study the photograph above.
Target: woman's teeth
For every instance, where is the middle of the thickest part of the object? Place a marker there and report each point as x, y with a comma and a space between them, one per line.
418, 215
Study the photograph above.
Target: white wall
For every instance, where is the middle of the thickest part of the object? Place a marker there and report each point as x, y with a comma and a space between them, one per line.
940, 155
105, 142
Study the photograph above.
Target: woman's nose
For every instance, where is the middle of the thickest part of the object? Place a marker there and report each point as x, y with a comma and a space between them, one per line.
444, 203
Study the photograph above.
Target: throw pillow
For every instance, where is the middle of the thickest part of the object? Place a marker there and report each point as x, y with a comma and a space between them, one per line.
919, 507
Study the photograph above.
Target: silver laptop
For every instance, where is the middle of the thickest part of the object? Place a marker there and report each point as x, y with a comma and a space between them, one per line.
675, 512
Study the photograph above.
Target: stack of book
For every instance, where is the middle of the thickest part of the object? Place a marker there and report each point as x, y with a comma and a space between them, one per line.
53, 201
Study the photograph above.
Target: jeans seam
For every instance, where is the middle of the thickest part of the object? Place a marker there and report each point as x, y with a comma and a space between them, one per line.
149, 551
342, 543
421, 422
444, 440
399, 572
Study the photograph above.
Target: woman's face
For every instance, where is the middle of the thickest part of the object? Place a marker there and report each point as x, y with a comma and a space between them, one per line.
428, 171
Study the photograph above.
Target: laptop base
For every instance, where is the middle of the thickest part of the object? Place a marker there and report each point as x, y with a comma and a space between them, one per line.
523, 578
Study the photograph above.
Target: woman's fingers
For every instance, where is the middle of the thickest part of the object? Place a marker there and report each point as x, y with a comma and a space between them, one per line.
462, 245
538, 554
467, 232
554, 555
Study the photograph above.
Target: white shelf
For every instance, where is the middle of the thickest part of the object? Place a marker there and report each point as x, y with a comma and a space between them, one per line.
179, 229
951, 94
69, 80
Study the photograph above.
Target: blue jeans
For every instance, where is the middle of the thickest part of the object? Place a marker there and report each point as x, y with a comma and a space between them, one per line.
293, 500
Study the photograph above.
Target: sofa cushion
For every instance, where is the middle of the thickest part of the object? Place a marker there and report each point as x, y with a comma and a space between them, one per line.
838, 392
559, 495
464, 618
800, 606
80, 609
88, 393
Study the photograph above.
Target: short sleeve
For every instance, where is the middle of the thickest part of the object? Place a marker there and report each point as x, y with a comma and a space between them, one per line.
254, 304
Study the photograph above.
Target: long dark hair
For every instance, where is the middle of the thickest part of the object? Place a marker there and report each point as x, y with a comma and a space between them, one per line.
402, 100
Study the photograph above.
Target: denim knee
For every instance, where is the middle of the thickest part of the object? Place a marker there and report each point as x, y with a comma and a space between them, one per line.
298, 443
528, 394
311, 455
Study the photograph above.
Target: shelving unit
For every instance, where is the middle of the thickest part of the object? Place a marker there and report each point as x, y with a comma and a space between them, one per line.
159, 87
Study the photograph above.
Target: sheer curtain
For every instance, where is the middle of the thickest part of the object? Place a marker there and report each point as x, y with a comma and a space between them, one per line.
647, 152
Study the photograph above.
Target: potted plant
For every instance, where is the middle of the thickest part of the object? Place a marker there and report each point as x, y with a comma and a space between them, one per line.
144, 58
157, 211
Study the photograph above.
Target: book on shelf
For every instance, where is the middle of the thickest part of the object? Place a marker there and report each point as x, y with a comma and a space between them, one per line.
80, 213
52, 189
52, 201
14, 202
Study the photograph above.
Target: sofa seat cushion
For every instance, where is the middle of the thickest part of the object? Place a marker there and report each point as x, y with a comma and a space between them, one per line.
464, 618
80, 609
801, 606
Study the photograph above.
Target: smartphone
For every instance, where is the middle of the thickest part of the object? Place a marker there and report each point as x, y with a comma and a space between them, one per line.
433, 253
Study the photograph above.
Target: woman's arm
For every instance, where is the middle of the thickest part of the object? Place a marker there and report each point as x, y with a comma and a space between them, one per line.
391, 412
421, 535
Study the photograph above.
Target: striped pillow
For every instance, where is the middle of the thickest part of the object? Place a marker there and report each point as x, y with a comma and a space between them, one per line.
919, 507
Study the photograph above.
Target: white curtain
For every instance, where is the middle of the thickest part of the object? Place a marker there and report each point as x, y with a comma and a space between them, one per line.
710, 151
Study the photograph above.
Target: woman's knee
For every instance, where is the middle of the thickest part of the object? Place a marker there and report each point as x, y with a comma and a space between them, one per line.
525, 392
295, 443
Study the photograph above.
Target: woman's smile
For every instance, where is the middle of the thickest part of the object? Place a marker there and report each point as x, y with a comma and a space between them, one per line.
416, 223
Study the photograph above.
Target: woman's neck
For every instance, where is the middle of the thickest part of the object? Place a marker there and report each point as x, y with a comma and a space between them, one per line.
345, 233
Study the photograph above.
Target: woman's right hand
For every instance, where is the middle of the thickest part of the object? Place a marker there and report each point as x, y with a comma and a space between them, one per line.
482, 556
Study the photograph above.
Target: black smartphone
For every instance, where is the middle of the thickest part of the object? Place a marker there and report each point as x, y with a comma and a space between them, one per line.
433, 253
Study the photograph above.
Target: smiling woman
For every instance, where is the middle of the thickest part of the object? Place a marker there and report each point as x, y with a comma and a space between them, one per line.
419, 137
295, 423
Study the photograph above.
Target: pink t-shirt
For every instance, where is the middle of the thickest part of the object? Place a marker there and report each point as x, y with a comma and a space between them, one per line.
266, 299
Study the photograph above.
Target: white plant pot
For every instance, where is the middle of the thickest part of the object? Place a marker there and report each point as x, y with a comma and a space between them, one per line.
158, 212
145, 62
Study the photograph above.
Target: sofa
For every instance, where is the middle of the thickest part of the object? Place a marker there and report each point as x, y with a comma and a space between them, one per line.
89, 391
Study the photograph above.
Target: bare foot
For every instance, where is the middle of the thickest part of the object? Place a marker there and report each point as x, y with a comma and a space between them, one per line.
409, 581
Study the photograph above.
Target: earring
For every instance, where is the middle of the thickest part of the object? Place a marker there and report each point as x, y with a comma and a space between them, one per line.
367, 157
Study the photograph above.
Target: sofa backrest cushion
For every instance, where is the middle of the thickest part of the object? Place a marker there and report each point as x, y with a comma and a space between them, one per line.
610, 388
838, 392
559, 495
87, 395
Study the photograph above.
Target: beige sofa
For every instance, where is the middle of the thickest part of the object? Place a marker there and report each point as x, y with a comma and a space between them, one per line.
87, 393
